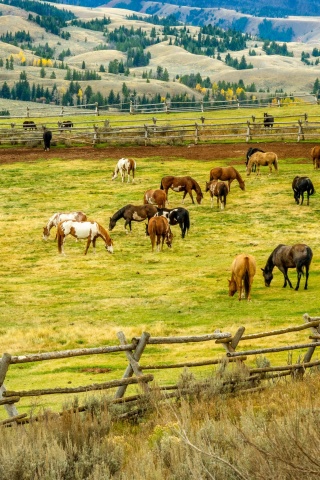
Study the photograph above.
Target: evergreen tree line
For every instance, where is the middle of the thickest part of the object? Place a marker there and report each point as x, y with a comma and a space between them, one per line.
170, 20
96, 24
273, 48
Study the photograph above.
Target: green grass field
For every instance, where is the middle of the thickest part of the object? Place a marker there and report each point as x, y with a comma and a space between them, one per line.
50, 302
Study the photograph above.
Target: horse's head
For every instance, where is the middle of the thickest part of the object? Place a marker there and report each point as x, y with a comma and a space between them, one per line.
109, 246
207, 186
46, 233
199, 197
268, 276
296, 195
232, 287
112, 224
169, 238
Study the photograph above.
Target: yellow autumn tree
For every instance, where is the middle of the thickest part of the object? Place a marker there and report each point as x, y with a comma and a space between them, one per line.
198, 87
80, 94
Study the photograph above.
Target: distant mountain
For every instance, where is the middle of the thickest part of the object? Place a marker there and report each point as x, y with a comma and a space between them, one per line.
261, 8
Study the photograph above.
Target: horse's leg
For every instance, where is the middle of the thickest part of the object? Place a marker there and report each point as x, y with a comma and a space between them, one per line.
88, 245
284, 270
307, 276
299, 272
302, 197
307, 197
190, 193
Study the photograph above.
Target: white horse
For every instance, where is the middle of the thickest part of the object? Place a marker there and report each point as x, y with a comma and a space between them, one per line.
60, 217
125, 166
83, 230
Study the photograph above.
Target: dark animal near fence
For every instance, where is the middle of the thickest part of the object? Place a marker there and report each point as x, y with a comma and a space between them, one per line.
181, 184
176, 216
155, 197
250, 152
268, 120
298, 256
228, 174
132, 213
159, 231
83, 230
300, 185
219, 190
29, 125
47, 137
243, 269
266, 159
65, 125
315, 155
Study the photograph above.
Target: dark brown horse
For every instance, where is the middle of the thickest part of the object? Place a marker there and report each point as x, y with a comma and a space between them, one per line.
298, 256
132, 213
300, 185
228, 174
155, 197
315, 155
219, 190
159, 231
181, 184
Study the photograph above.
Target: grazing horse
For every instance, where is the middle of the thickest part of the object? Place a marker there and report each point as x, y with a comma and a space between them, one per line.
250, 152
228, 174
47, 137
89, 230
125, 166
176, 216
286, 256
181, 184
65, 125
132, 213
264, 159
243, 269
29, 125
268, 120
301, 185
315, 154
219, 190
60, 217
155, 197
159, 230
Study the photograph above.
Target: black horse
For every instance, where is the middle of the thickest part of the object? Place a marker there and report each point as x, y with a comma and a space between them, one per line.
47, 137
250, 152
176, 216
132, 213
298, 256
301, 185
268, 120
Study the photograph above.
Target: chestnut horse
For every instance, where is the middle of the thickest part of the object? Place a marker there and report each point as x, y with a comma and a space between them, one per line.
155, 197
132, 213
315, 155
297, 256
227, 173
89, 230
219, 190
264, 159
243, 269
60, 217
159, 230
181, 184
125, 166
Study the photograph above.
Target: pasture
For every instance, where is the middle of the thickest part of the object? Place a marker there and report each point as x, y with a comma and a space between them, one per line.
54, 302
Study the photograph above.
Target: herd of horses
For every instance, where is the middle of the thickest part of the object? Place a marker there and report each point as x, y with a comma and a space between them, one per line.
160, 219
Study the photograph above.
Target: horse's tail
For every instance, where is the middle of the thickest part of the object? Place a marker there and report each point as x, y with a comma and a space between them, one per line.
311, 188
186, 223
161, 185
59, 236
275, 163
246, 279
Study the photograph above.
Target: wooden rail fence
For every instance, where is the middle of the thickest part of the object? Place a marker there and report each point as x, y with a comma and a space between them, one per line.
135, 369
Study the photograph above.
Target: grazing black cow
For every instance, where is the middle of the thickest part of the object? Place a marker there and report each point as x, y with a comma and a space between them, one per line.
29, 125
301, 185
47, 137
65, 125
268, 120
250, 152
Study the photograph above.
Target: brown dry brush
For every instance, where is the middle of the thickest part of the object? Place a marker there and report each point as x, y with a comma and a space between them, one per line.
207, 433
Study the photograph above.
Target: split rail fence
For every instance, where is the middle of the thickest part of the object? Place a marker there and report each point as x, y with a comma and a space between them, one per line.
155, 131
136, 372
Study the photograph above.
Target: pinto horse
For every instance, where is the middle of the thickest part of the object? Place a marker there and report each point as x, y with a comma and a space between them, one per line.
264, 159
243, 269
181, 184
125, 166
89, 230
227, 173
155, 197
132, 213
176, 216
297, 256
315, 155
159, 230
301, 185
60, 217
219, 190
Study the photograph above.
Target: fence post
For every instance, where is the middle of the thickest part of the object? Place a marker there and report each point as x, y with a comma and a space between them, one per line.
201, 104
97, 109
300, 132
166, 108
28, 113
196, 133
249, 135
62, 112
131, 108
4, 365
95, 135
146, 136
134, 358
306, 118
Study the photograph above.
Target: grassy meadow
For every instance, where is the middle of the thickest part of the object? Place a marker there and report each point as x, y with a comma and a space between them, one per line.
52, 302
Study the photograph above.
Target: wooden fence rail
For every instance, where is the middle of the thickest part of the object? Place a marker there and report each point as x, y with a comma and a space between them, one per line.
138, 347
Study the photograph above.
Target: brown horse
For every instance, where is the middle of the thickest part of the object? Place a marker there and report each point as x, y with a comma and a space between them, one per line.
159, 229
155, 197
132, 213
219, 190
227, 173
264, 159
181, 184
315, 155
243, 269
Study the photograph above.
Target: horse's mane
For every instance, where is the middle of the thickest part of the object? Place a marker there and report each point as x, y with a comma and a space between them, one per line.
195, 185
238, 176
120, 213
103, 231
